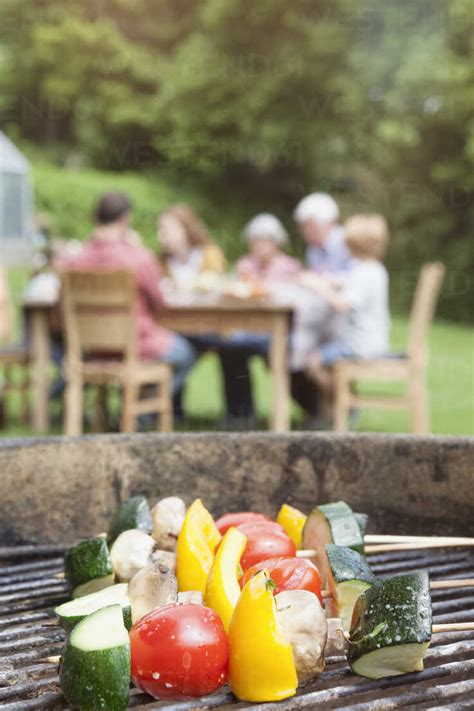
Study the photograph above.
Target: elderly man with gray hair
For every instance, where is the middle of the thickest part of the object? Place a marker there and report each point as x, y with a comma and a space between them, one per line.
317, 216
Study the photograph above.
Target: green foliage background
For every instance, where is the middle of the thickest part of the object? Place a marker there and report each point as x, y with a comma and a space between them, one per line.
238, 106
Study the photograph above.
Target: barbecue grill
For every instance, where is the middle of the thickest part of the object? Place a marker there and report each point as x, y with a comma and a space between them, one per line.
56, 491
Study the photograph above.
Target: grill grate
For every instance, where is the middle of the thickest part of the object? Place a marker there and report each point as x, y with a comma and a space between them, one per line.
29, 589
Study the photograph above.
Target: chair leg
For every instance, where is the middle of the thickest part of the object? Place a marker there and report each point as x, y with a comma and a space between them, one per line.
99, 423
419, 408
129, 396
74, 406
165, 417
25, 402
342, 401
2, 412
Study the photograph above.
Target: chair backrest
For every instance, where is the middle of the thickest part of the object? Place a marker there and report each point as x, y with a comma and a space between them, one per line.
423, 309
99, 313
6, 309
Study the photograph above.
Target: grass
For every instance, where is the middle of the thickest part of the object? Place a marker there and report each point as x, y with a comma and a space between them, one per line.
450, 384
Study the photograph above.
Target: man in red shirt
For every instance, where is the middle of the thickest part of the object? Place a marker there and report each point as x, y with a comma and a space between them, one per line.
114, 245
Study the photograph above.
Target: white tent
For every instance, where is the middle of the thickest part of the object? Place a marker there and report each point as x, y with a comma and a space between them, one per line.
16, 205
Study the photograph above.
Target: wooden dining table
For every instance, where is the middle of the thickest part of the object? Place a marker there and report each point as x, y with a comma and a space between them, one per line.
201, 315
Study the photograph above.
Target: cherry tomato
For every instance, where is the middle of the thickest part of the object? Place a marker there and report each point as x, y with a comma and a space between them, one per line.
179, 650
265, 539
289, 574
236, 519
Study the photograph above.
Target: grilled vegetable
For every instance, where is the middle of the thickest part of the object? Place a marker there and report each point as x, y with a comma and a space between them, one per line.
179, 650
331, 523
222, 587
349, 575
362, 521
166, 558
197, 543
337, 644
95, 667
261, 665
288, 574
191, 596
236, 519
293, 521
131, 552
391, 626
168, 516
305, 626
72, 612
153, 586
133, 513
265, 539
88, 566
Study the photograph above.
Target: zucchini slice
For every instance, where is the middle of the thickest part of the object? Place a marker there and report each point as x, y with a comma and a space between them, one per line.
93, 586
72, 612
132, 513
95, 667
331, 523
86, 561
362, 521
349, 575
391, 627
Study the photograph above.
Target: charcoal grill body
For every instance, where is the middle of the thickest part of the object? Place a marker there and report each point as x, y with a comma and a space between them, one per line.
61, 489
57, 490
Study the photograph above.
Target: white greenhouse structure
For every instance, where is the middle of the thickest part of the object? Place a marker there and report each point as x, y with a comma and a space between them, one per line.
16, 205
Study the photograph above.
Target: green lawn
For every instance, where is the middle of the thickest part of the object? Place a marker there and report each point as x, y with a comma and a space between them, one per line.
450, 383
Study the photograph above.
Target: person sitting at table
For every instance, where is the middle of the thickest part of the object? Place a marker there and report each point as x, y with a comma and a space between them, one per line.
186, 247
318, 219
266, 263
110, 247
363, 299
317, 216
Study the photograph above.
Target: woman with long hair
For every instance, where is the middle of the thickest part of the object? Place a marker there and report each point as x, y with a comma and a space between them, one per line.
186, 248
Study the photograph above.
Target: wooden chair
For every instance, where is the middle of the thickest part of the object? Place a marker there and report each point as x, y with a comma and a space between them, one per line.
14, 357
409, 368
101, 349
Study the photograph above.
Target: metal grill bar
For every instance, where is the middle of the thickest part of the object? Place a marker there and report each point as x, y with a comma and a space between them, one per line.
29, 633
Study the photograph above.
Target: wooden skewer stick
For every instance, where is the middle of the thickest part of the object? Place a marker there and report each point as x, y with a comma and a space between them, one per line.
453, 627
422, 543
376, 538
434, 585
50, 660
448, 584
433, 543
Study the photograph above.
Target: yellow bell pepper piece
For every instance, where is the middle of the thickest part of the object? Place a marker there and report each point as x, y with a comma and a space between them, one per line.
293, 521
197, 542
261, 666
223, 589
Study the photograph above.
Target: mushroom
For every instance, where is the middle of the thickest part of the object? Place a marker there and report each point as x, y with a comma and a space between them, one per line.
166, 558
167, 516
130, 552
337, 643
153, 586
190, 596
305, 627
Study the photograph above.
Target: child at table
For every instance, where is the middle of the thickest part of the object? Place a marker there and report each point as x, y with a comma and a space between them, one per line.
363, 299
